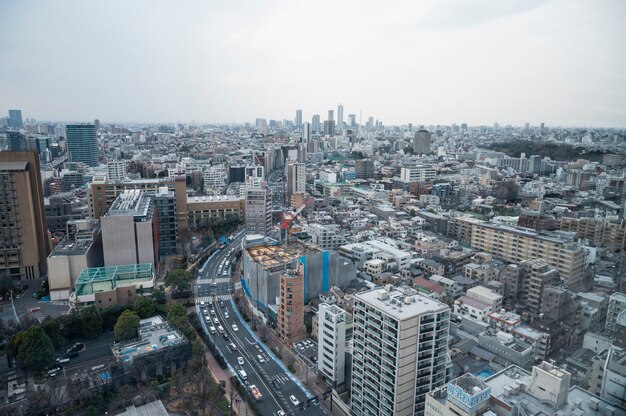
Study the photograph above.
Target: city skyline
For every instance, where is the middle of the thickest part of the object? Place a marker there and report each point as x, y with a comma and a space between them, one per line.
430, 63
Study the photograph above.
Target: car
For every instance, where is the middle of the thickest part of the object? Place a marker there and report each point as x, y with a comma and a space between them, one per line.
221, 304
202, 303
235, 327
226, 315
220, 329
260, 357
63, 360
213, 282
207, 319
281, 413
232, 346
212, 312
77, 347
212, 329
294, 401
216, 321
240, 360
226, 337
298, 345
301, 348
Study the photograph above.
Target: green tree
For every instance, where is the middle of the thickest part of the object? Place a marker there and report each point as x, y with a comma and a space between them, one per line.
163, 174
126, 326
143, 306
71, 325
177, 310
179, 280
159, 297
110, 315
91, 321
36, 351
52, 328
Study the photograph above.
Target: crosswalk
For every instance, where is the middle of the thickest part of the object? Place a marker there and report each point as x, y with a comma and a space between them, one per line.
208, 299
209, 281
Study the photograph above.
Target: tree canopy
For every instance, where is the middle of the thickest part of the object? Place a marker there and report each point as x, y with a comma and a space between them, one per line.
179, 280
143, 306
91, 321
36, 351
52, 328
126, 326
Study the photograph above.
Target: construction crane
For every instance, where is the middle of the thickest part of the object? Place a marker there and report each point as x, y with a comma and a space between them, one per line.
287, 220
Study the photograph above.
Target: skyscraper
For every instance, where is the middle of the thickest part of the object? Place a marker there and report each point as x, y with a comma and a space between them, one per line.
24, 242
291, 326
329, 127
258, 208
352, 118
82, 144
306, 133
298, 118
421, 142
296, 179
15, 119
399, 351
331, 115
340, 117
315, 123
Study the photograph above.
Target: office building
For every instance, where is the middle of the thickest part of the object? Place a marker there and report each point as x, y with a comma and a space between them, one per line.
15, 119
421, 142
61, 208
24, 240
258, 209
296, 179
204, 209
17, 142
329, 127
82, 144
236, 173
614, 377
617, 304
417, 173
306, 134
331, 341
165, 207
340, 117
400, 351
364, 169
298, 120
291, 326
129, 230
331, 116
116, 170
315, 123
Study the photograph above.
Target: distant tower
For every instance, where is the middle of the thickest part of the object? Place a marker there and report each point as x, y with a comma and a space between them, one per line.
421, 142
306, 133
298, 118
315, 123
96, 124
331, 115
15, 119
82, 144
340, 117
329, 127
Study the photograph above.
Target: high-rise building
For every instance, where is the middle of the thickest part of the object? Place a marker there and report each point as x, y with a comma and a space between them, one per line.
315, 123
291, 326
421, 142
298, 118
130, 230
364, 168
617, 303
340, 117
399, 351
17, 141
15, 119
261, 125
352, 118
96, 124
331, 115
331, 341
306, 133
296, 179
258, 208
82, 144
24, 241
116, 170
329, 127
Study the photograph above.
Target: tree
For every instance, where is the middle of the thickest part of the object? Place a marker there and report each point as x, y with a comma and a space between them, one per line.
177, 310
506, 191
179, 280
110, 316
143, 306
159, 297
91, 321
36, 351
52, 328
71, 325
163, 174
126, 326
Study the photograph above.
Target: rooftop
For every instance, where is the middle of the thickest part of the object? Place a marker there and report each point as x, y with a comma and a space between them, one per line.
132, 202
98, 279
154, 334
278, 255
401, 304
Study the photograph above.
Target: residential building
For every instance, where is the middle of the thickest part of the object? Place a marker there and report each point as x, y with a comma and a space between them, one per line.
399, 351
82, 144
15, 119
296, 179
364, 169
417, 173
331, 340
24, 240
291, 326
617, 304
421, 142
258, 210
116, 170
614, 377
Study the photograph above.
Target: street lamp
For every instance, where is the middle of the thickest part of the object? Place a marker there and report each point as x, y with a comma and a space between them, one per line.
17, 319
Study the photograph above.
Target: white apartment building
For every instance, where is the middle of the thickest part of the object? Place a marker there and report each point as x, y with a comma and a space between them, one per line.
617, 303
331, 338
399, 351
116, 170
486, 295
418, 173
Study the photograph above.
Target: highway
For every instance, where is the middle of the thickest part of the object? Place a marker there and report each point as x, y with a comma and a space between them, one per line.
213, 292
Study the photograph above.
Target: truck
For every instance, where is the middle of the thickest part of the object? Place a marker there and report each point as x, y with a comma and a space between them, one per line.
255, 392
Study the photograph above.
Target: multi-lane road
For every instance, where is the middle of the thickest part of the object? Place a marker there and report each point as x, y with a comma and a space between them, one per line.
237, 342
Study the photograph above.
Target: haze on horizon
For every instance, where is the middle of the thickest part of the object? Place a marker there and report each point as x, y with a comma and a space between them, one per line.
562, 62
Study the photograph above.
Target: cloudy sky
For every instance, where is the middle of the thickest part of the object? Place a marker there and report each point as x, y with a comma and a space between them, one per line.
561, 62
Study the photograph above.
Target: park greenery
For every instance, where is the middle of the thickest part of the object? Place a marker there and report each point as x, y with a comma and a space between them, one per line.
555, 151
126, 326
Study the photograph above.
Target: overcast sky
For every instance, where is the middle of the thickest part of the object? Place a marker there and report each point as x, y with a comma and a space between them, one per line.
561, 62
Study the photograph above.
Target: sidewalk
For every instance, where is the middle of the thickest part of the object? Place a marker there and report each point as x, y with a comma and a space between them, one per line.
220, 374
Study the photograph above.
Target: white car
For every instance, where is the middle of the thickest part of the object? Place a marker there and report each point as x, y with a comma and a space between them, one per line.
240, 360
281, 413
216, 321
260, 357
233, 346
213, 312
226, 315
293, 399
235, 327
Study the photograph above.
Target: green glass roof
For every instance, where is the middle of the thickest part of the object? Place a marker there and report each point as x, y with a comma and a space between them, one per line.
98, 279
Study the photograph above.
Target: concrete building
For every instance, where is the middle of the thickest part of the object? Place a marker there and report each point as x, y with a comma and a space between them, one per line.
165, 207
614, 377
24, 240
203, 209
80, 249
61, 208
114, 285
421, 142
331, 340
15, 119
258, 209
399, 351
291, 326
617, 304
325, 236
296, 179
130, 230
82, 144
116, 170
486, 295
472, 308
417, 173
364, 169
